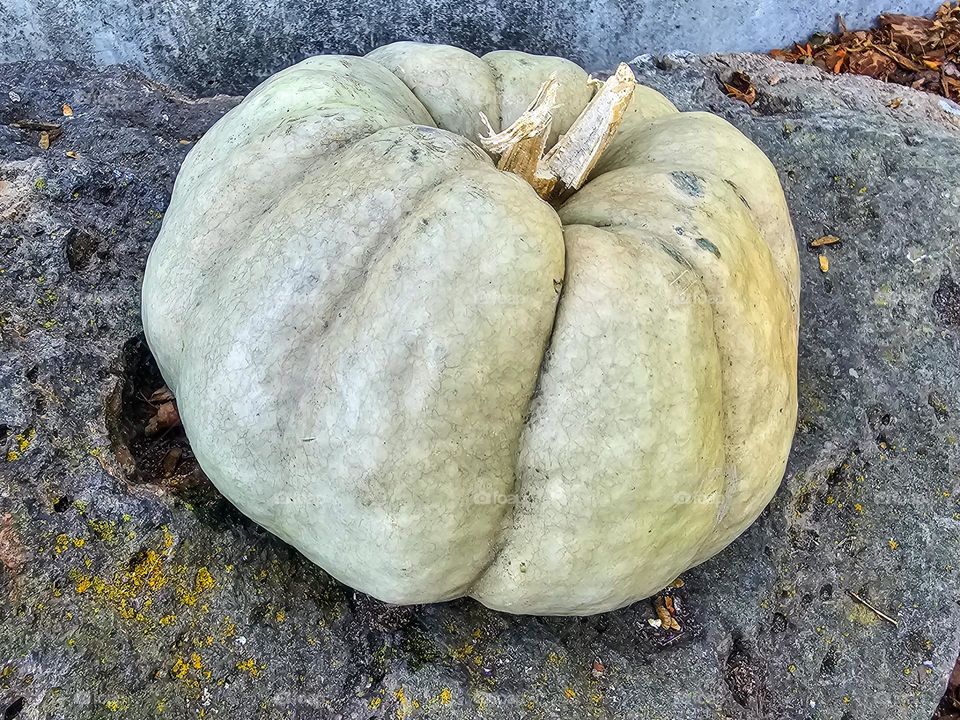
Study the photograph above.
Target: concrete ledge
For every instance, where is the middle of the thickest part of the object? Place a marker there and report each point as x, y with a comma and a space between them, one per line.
228, 46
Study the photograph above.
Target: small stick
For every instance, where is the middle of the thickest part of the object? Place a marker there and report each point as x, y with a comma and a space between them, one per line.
881, 615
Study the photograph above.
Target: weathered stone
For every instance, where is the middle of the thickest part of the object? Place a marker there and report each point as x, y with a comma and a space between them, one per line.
125, 592
224, 46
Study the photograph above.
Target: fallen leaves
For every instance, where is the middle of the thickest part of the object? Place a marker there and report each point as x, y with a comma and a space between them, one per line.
67, 110
740, 87
922, 53
166, 417
666, 611
824, 263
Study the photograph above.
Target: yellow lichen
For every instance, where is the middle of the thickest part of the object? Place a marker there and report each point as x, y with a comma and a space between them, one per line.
104, 529
180, 669
23, 441
249, 666
461, 652
61, 543
570, 693
445, 696
117, 704
83, 583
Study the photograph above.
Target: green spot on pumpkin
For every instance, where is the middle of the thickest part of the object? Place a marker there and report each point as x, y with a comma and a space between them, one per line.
688, 183
709, 246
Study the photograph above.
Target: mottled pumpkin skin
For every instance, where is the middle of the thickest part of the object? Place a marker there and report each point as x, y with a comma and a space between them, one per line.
404, 363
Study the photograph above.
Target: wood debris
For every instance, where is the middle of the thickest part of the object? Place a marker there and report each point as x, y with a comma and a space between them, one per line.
49, 132
922, 53
824, 240
880, 614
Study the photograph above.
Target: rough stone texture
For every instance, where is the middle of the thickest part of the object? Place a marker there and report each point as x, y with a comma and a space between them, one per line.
228, 45
124, 593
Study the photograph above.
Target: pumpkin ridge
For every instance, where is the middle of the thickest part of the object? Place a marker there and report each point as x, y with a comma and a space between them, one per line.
649, 189
566, 491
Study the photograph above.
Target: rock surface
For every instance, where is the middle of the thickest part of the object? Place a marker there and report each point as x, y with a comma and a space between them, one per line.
127, 591
225, 46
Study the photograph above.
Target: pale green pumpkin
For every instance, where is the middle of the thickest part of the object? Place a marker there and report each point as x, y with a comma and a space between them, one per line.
403, 362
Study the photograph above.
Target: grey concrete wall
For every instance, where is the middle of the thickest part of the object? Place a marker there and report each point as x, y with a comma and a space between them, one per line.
228, 45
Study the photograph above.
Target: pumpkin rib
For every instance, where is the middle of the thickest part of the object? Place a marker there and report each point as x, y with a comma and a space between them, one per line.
484, 183
394, 139
717, 145
454, 85
645, 196
245, 152
609, 493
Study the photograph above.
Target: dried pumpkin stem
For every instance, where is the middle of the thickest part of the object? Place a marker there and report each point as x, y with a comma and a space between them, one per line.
568, 164
521, 146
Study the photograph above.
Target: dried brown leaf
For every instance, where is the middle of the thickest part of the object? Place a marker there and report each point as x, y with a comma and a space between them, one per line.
909, 32
872, 64
161, 394
663, 614
740, 87
918, 52
170, 461
166, 417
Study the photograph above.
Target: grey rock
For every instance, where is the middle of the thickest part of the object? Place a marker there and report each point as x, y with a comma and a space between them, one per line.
227, 46
124, 592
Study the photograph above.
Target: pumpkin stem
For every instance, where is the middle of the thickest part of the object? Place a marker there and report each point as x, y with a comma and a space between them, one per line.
521, 146
568, 164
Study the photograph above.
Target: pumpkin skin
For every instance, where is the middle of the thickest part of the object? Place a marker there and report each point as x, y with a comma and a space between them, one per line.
403, 362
